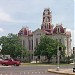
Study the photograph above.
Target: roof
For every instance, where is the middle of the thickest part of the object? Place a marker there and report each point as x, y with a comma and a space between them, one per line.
61, 29
25, 31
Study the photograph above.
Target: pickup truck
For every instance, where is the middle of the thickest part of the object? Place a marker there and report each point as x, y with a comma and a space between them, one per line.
7, 62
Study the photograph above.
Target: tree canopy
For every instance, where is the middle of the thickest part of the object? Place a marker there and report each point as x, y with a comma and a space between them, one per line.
12, 46
47, 47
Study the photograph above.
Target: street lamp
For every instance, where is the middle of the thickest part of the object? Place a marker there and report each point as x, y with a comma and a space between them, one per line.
58, 57
58, 54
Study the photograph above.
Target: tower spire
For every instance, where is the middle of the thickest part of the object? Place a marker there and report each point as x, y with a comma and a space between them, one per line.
47, 20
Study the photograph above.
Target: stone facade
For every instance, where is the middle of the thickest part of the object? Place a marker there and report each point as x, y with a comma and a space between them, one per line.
31, 39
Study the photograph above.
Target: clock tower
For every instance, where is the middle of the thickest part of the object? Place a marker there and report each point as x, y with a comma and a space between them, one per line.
47, 21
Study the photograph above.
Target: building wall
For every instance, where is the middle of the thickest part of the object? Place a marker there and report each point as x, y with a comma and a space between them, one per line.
30, 42
36, 37
68, 40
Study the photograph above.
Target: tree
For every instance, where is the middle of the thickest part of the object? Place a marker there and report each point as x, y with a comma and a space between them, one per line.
12, 46
47, 47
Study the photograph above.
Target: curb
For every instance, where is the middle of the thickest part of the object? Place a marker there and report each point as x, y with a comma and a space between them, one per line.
31, 64
58, 72
5, 66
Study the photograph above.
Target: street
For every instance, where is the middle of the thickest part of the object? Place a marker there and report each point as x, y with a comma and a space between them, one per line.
26, 70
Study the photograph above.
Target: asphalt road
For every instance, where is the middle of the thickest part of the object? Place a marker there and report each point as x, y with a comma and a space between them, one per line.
26, 70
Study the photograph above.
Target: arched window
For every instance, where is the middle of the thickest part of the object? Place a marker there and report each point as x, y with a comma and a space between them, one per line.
58, 30
49, 25
36, 41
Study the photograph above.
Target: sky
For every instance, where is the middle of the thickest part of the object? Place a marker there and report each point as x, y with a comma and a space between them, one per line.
15, 14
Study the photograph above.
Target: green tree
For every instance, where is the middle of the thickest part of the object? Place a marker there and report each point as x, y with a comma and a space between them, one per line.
47, 47
12, 46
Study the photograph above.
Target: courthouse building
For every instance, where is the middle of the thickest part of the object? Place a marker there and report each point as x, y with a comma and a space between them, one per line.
31, 39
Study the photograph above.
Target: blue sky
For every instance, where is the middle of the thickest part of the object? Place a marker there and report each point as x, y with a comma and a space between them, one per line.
14, 14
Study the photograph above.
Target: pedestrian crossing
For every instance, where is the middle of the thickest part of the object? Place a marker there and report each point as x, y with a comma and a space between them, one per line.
24, 73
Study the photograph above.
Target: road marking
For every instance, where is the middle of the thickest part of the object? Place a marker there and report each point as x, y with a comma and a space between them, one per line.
24, 73
28, 72
16, 73
35, 72
20, 73
10, 73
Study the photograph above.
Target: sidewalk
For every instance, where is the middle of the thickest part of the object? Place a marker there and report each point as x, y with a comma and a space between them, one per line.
62, 71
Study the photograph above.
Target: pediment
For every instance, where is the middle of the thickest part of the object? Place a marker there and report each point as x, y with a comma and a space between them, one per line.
38, 32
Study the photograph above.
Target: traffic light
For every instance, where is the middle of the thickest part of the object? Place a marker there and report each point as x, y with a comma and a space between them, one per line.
73, 50
60, 48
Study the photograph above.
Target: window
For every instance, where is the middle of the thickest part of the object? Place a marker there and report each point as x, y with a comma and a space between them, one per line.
36, 41
60, 40
23, 42
47, 26
32, 44
58, 30
29, 44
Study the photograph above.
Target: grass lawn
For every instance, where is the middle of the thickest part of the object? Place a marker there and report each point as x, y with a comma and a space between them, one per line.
42, 64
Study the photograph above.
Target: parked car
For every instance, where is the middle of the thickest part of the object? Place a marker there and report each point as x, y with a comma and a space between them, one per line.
1, 60
10, 62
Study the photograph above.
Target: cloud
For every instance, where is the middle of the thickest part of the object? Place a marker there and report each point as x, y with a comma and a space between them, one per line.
5, 17
69, 30
74, 38
1, 30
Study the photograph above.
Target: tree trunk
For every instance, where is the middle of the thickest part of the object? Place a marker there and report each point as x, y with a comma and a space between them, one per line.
49, 60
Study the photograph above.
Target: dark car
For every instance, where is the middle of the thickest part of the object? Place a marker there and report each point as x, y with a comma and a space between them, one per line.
10, 62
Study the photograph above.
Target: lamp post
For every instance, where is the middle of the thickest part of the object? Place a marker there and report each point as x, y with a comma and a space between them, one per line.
58, 54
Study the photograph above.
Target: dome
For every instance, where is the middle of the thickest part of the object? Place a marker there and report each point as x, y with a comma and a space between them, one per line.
24, 31
58, 29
